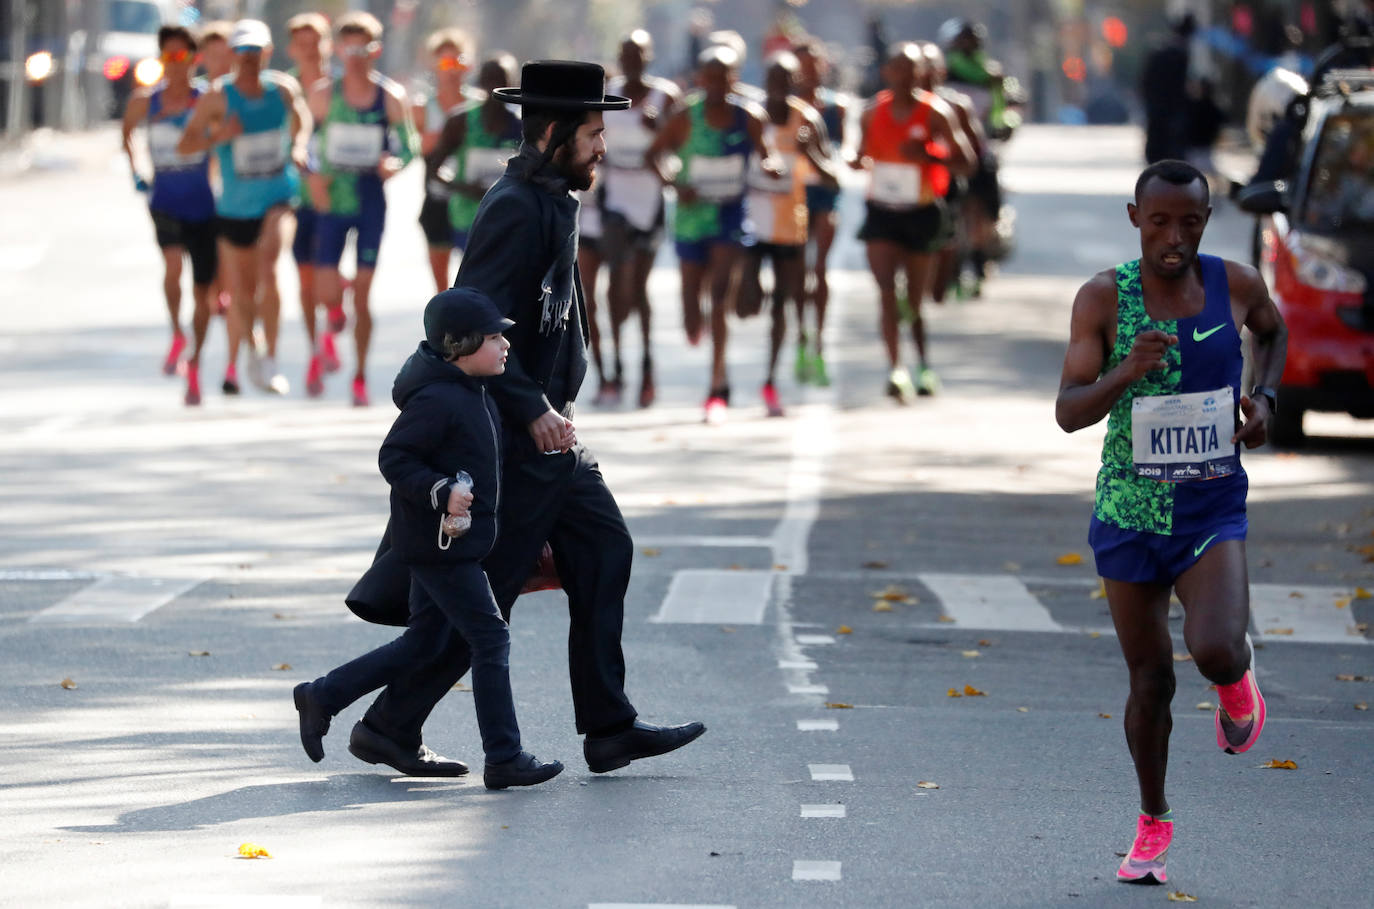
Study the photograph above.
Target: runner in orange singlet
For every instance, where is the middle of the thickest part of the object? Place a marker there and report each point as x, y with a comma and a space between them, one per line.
911, 145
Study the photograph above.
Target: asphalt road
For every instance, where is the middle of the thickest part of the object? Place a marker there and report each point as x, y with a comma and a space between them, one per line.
182, 569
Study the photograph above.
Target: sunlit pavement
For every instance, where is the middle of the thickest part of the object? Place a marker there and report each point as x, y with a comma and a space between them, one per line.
811, 587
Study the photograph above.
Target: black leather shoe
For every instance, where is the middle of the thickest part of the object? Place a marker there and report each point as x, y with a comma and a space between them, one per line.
642, 740
375, 748
522, 770
314, 721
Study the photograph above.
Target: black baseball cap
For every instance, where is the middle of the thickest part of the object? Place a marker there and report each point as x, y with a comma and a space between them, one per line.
459, 311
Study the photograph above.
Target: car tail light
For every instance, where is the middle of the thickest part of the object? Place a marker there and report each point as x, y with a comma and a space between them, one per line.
1319, 268
148, 71
115, 68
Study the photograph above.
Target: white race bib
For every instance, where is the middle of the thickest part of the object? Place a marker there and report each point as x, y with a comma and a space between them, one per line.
162, 148
765, 182
717, 179
354, 146
1179, 438
896, 185
484, 166
626, 146
259, 155
636, 194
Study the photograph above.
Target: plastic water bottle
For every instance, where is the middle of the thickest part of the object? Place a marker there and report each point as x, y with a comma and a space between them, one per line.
455, 525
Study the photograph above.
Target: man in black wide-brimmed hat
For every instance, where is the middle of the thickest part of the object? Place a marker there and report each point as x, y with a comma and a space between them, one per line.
522, 253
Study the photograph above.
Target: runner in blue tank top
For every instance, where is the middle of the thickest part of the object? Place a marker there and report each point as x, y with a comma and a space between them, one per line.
1155, 346
258, 124
180, 199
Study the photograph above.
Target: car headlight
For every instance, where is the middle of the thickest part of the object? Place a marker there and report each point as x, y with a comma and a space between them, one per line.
39, 66
1316, 267
148, 71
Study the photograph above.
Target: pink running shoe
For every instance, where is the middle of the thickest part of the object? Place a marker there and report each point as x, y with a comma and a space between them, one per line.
1144, 864
359, 392
314, 378
337, 319
329, 354
172, 364
715, 410
1237, 738
770, 400
192, 385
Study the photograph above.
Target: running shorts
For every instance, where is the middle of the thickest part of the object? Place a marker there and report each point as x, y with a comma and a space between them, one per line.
620, 238
331, 235
916, 230
196, 237
1158, 558
729, 232
435, 223
820, 200
240, 232
303, 244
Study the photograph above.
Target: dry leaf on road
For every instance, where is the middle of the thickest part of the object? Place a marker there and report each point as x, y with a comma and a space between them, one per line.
282, 667
1206, 705
882, 606
926, 784
1362, 594
1183, 658
984, 642
1351, 677
1070, 558
651, 551
728, 629
253, 851
1276, 764
1104, 716
1361, 706
1178, 896
839, 705
1282, 631
1100, 592
1023, 710
972, 692
954, 693
970, 654
894, 594
947, 619
67, 683
197, 653
875, 564
844, 629
1342, 602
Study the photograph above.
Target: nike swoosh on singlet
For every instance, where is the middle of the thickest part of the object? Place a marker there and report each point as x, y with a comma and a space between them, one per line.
1204, 335
1203, 545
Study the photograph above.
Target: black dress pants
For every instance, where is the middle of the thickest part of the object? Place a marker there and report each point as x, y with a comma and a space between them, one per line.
561, 499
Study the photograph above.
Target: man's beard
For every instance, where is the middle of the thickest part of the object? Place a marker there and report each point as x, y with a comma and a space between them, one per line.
581, 175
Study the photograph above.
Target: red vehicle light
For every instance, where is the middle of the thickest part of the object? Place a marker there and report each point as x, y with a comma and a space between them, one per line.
116, 67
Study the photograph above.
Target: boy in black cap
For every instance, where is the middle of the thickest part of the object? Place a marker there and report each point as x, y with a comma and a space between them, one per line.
448, 425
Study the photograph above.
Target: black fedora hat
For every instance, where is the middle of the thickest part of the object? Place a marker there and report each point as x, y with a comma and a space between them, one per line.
563, 85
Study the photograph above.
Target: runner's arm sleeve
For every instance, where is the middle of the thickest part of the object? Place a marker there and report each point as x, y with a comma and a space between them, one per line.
502, 260
407, 450
404, 141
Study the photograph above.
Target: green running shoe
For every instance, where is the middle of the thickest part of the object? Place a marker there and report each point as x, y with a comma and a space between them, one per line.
818, 372
899, 386
927, 382
803, 364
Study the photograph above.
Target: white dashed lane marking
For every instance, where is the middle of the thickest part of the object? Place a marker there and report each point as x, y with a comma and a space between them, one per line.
818, 725
838, 773
815, 871
716, 597
116, 599
990, 601
808, 689
822, 811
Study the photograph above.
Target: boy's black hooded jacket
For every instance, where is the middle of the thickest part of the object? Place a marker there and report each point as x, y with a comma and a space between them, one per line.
448, 422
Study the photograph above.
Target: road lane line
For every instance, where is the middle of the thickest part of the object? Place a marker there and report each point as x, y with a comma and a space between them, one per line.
807, 688
998, 602
822, 811
742, 542
656, 906
116, 599
708, 596
837, 773
801, 665
814, 640
236, 901
818, 725
1312, 615
815, 871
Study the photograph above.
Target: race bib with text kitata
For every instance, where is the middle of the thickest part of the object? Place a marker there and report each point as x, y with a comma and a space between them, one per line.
1185, 437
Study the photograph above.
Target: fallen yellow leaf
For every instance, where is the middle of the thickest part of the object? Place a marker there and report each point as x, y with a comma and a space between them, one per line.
892, 593
1094, 634
1206, 705
1070, 558
282, 667
1178, 896
197, 653
974, 692
1361, 706
984, 642
925, 784
945, 618
779, 567
1282, 631
1275, 764
67, 683
1351, 677
651, 551
1362, 594
1100, 592
839, 705
1023, 710
1183, 658
1104, 716
253, 851
970, 654
1295, 595
459, 686
728, 629
844, 629
954, 693
278, 615
874, 564
735, 567
882, 606
1342, 602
